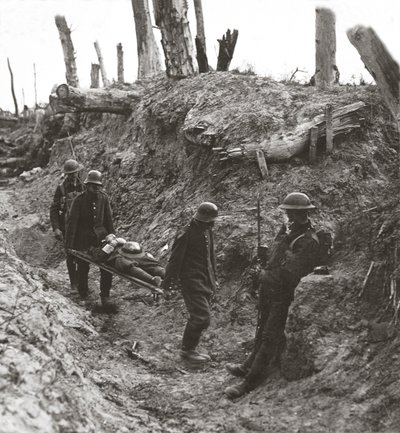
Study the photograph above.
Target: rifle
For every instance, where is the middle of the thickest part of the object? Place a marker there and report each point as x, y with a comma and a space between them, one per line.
262, 250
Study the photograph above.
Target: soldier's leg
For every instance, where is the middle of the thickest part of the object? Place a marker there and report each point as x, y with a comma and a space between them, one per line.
199, 319
271, 342
137, 272
83, 272
72, 271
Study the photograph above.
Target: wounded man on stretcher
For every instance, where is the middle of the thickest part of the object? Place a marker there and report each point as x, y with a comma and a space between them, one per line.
129, 258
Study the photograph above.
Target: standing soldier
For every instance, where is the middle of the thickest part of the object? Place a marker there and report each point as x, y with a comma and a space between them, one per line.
65, 193
192, 265
89, 223
294, 255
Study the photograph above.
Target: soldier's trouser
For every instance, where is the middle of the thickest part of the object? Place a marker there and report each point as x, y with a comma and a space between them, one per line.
270, 339
72, 270
198, 307
83, 272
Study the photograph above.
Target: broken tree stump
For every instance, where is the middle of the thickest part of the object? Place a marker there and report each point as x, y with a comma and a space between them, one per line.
325, 48
379, 63
95, 76
101, 63
72, 100
226, 49
120, 63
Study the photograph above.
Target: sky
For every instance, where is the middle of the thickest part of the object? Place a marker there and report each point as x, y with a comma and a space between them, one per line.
275, 38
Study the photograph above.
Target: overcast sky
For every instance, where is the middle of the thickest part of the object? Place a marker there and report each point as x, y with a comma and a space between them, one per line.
275, 37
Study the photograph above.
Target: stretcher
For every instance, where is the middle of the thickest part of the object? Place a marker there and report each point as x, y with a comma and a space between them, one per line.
136, 282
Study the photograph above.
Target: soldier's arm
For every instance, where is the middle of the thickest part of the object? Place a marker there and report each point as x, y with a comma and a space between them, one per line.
108, 222
301, 260
178, 251
72, 223
55, 208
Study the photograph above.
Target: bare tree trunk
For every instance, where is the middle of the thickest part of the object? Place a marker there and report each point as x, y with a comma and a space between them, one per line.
176, 39
95, 76
73, 100
380, 64
101, 63
71, 74
200, 40
34, 83
226, 49
325, 48
120, 62
12, 88
147, 49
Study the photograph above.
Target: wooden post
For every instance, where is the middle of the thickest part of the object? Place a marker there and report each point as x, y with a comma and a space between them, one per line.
101, 63
12, 88
262, 164
329, 129
95, 76
200, 40
325, 48
312, 153
176, 39
120, 60
226, 49
64, 31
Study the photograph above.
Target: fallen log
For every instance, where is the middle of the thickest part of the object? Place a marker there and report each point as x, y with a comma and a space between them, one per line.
73, 100
281, 146
379, 63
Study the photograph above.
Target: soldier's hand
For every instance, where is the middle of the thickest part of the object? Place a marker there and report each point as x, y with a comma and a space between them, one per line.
58, 234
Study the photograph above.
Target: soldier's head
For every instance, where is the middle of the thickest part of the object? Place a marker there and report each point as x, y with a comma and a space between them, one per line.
71, 168
93, 182
297, 206
206, 213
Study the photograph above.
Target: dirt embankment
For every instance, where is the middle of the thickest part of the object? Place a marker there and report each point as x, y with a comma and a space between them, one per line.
341, 370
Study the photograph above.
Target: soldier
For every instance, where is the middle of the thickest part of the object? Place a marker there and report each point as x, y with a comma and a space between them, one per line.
294, 255
89, 223
65, 193
192, 266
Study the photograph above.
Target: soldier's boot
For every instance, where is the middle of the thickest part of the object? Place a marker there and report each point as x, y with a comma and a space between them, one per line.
72, 273
237, 370
193, 355
237, 391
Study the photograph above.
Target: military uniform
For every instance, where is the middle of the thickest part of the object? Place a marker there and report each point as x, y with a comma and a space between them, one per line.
192, 262
89, 223
293, 256
65, 192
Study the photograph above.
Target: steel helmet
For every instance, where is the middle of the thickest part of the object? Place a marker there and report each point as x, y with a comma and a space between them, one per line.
71, 166
94, 176
296, 200
131, 250
206, 212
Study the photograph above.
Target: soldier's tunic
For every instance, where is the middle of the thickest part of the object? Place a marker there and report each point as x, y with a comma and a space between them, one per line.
192, 261
89, 223
58, 214
294, 255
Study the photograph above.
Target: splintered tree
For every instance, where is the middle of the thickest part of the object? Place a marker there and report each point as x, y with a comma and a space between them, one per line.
120, 62
71, 74
101, 63
201, 51
95, 76
226, 49
326, 71
147, 49
380, 64
176, 39
12, 88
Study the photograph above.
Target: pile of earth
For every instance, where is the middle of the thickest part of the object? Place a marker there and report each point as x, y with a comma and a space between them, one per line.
341, 369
